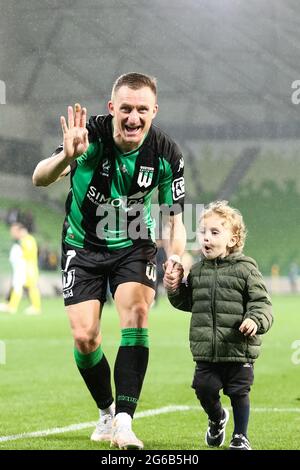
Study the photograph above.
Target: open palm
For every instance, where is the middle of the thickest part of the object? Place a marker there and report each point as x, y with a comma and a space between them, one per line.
75, 134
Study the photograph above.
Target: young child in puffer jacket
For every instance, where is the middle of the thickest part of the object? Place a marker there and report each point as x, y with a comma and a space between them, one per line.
230, 308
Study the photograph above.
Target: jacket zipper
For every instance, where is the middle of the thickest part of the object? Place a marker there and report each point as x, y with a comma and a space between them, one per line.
213, 309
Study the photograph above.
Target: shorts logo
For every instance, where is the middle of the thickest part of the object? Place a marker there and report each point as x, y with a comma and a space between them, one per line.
145, 176
67, 294
178, 188
68, 279
151, 272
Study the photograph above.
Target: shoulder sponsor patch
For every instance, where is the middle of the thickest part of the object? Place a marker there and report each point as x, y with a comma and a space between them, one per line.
178, 188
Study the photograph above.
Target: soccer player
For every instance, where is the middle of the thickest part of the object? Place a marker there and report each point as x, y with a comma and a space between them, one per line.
24, 260
230, 309
116, 162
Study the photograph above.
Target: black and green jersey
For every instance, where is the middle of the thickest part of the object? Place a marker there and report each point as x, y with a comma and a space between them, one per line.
110, 196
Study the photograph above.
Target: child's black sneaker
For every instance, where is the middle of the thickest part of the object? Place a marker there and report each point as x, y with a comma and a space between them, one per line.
239, 442
215, 434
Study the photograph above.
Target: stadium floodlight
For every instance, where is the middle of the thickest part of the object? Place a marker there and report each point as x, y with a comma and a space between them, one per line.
2, 92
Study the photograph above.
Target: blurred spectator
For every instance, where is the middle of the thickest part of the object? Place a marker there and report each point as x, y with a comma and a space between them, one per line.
26, 218
43, 257
52, 260
12, 216
18, 265
293, 277
275, 278
23, 258
48, 259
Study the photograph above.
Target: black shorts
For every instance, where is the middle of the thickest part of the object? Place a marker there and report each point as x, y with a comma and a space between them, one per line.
235, 378
86, 273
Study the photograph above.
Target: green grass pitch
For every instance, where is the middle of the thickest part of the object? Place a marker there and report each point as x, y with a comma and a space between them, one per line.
41, 388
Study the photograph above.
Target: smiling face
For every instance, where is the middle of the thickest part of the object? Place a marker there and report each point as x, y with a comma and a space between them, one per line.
133, 112
216, 237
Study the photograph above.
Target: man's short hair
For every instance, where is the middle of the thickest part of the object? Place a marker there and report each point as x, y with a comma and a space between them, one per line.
135, 81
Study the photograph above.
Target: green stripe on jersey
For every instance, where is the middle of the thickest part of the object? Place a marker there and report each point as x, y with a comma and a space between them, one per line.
120, 186
81, 180
165, 189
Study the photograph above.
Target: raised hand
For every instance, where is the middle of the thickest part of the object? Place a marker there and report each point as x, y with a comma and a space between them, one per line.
75, 134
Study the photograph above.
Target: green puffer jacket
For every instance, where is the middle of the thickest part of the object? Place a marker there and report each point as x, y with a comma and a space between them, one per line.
221, 293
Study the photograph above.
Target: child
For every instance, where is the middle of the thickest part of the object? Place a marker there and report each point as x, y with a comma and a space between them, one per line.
230, 310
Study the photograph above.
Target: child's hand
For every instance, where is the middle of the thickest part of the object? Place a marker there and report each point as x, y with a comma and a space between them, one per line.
172, 280
248, 327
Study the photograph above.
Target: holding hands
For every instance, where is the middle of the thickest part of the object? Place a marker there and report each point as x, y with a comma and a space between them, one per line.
173, 274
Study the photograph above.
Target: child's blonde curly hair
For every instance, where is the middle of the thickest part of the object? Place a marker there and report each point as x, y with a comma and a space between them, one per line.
234, 219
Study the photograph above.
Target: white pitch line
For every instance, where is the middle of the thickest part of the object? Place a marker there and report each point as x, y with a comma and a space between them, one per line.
77, 427
275, 410
140, 414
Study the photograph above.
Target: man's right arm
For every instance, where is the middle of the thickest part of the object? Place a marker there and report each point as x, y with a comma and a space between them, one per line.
75, 143
51, 169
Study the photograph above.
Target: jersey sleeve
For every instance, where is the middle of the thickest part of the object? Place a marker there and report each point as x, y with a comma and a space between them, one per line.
88, 155
171, 186
83, 159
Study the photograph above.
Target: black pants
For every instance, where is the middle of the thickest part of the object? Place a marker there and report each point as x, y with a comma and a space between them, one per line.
234, 378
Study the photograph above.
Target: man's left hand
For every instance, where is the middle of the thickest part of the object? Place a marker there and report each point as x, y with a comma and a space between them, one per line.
173, 273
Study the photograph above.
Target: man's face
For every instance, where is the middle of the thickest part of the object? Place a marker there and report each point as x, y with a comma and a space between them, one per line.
133, 111
216, 237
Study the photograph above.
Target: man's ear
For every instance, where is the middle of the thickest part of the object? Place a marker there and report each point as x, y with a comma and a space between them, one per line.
155, 111
110, 107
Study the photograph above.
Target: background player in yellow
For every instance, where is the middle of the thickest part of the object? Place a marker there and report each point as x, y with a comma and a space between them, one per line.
24, 261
